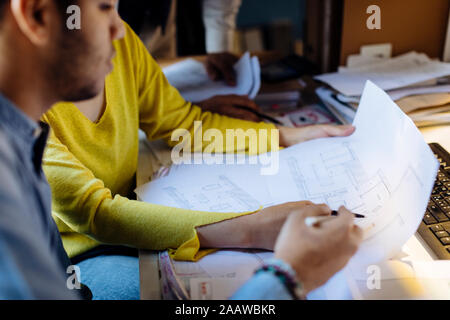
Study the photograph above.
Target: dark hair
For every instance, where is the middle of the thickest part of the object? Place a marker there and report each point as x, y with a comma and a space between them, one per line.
2, 7
61, 4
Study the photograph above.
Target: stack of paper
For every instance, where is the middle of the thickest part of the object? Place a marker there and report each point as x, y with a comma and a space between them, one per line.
385, 171
191, 79
215, 277
413, 80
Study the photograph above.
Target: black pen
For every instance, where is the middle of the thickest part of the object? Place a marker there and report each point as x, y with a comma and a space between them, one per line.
315, 220
357, 215
259, 114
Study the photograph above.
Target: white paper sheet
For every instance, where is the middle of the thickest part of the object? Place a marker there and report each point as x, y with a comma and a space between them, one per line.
401, 280
401, 93
215, 277
394, 73
384, 171
192, 81
327, 96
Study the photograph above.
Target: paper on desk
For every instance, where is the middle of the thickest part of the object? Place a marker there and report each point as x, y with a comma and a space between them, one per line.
216, 276
402, 280
434, 277
388, 280
357, 61
405, 92
385, 171
428, 101
435, 119
398, 94
212, 188
394, 73
344, 112
191, 79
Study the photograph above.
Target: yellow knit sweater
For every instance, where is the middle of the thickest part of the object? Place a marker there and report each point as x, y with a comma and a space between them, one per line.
91, 167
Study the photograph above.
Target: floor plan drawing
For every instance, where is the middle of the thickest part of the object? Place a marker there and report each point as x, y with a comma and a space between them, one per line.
384, 171
217, 195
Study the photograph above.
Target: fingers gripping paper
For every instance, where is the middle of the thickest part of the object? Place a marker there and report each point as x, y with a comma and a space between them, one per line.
191, 79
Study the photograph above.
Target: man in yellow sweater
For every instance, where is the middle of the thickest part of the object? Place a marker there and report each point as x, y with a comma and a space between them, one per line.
91, 162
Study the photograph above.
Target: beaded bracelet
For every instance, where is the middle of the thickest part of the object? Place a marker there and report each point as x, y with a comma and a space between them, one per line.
286, 275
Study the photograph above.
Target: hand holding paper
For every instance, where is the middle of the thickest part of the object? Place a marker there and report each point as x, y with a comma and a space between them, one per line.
191, 78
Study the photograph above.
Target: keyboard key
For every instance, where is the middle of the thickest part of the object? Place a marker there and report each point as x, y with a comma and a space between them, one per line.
438, 214
446, 226
446, 209
442, 234
442, 203
437, 228
445, 241
429, 219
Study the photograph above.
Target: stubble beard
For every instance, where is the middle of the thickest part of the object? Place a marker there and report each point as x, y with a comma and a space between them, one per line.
69, 71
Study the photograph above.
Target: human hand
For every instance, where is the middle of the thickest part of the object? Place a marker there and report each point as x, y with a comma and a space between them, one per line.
267, 223
258, 230
228, 105
292, 136
221, 66
317, 253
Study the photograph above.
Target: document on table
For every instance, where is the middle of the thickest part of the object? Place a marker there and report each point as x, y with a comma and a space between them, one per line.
394, 73
385, 171
215, 277
191, 79
402, 280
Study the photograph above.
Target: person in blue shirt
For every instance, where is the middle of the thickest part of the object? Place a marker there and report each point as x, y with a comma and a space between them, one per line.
43, 61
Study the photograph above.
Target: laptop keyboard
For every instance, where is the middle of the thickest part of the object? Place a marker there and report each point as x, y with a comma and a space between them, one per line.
435, 226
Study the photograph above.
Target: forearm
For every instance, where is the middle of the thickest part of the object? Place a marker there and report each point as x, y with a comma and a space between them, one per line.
138, 224
232, 233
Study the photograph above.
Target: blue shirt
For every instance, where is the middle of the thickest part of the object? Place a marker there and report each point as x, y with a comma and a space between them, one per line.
263, 286
33, 261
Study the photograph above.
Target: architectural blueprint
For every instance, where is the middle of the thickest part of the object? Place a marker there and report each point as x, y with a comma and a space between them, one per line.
385, 171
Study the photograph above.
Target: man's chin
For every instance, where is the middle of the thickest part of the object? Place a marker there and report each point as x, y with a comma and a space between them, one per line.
85, 93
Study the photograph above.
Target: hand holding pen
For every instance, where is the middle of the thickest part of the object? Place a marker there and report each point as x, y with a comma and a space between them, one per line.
316, 220
317, 253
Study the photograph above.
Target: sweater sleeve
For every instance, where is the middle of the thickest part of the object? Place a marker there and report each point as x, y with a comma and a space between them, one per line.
85, 205
163, 112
